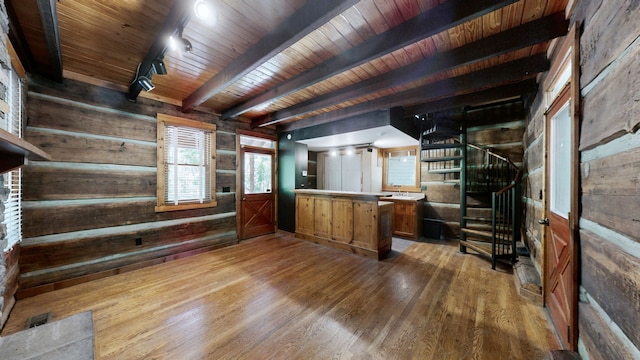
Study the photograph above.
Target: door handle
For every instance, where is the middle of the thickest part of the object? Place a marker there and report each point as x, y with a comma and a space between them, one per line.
244, 198
544, 221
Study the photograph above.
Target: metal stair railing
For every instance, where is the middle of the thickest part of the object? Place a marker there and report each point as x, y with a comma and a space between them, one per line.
489, 173
505, 214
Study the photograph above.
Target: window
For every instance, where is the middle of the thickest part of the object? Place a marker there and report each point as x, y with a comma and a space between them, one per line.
258, 168
401, 169
186, 164
12, 123
258, 164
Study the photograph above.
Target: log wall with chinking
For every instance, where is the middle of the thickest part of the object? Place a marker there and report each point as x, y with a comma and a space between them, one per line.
609, 153
89, 213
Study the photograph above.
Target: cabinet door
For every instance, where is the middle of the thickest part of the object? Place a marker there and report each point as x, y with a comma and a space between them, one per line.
342, 220
343, 172
404, 218
365, 224
304, 214
322, 217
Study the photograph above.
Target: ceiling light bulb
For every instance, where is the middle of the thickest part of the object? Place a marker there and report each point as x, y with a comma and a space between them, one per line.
173, 43
202, 9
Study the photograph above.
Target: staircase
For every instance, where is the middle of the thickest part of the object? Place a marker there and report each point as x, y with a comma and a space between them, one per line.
489, 189
494, 182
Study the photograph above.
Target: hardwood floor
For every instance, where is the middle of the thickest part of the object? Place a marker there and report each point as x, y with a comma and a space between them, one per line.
277, 297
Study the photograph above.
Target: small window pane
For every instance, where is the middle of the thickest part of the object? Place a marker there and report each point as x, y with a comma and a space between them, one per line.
402, 168
257, 142
257, 173
560, 169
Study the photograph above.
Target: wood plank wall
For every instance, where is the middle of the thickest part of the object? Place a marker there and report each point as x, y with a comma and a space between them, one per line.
609, 243
84, 211
498, 128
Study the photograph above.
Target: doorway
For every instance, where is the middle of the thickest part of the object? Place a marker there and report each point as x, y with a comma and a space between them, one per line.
561, 201
256, 198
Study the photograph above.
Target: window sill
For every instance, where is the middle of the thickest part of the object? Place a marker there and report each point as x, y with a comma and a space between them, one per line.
165, 208
16, 151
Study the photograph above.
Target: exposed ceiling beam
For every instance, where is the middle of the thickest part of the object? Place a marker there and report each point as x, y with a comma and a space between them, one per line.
508, 91
178, 18
434, 21
528, 34
18, 40
307, 19
49, 18
494, 76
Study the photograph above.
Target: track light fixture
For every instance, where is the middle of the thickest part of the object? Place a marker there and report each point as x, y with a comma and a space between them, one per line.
180, 44
145, 83
158, 67
186, 45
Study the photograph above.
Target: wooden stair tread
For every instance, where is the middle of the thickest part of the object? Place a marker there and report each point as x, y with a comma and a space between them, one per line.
483, 219
445, 171
486, 226
443, 158
476, 218
483, 248
439, 146
479, 233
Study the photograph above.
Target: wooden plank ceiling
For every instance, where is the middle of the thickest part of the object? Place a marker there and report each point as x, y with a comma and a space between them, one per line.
296, 63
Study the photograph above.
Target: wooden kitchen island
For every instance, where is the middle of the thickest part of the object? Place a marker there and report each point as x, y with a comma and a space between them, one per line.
351, 221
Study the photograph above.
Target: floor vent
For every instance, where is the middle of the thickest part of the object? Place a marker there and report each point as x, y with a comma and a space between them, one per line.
38, 320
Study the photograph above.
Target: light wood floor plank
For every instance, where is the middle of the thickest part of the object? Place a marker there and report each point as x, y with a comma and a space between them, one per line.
277, 297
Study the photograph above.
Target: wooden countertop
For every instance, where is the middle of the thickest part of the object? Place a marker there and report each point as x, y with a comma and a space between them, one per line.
337, 193
409, 197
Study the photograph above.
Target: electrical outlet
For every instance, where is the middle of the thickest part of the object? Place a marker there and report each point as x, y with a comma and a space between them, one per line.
138, 241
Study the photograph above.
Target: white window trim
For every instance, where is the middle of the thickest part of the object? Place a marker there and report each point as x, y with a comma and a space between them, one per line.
163, 122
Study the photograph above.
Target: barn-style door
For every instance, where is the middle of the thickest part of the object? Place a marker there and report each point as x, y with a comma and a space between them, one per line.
256, 193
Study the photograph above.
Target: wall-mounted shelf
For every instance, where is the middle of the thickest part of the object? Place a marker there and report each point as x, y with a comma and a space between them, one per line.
15, 152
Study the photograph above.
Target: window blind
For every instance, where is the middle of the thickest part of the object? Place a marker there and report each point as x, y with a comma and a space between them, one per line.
187, 165
13, 179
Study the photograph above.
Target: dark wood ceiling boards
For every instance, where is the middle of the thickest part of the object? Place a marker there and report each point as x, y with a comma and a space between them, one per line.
340, 58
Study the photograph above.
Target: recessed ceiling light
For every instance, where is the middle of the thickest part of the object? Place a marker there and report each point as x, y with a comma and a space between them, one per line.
202, 9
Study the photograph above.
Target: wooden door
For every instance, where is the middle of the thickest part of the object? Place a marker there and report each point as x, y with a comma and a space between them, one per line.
561, 287
257, 193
